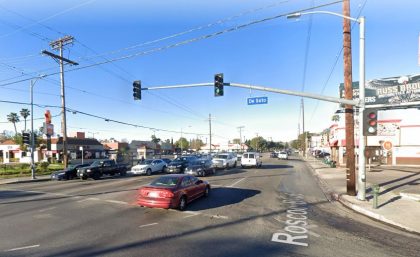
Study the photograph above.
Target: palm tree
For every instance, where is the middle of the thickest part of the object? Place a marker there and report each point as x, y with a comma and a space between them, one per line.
25, 114
13, 118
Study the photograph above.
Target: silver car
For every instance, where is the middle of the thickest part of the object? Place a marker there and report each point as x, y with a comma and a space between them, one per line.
148, 167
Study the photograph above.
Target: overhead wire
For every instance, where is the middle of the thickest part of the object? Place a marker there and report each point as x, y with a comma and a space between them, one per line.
335, 62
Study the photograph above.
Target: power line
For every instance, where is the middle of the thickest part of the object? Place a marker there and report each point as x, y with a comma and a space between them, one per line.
209, 25
158, 49
335, 63
74, 111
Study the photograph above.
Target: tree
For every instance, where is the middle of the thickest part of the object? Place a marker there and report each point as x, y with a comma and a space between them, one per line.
236, 141
258, 143
155, 139
335, 118
196, 144
13, 118
182, 143
25, 114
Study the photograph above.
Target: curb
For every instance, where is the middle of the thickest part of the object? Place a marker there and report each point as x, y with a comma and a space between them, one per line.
339, 198
372, 215
23, 180
413, 197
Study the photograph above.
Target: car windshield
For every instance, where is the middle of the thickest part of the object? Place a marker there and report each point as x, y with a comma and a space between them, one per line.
165, 182
146, 162
96, 163
221, 156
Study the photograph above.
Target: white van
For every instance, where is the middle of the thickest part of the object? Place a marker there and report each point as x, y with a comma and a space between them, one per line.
251, 159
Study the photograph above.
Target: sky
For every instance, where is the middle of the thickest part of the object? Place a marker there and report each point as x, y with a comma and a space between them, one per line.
178, 42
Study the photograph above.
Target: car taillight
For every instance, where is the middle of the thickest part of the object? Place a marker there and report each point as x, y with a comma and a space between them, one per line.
166, 194
143, 191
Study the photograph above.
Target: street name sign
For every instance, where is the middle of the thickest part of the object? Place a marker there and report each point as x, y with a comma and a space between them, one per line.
257, 100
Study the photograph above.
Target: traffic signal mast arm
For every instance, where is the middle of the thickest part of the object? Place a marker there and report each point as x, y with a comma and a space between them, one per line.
266, 89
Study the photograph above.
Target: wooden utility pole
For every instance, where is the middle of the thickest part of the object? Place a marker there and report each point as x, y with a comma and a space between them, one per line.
58, 45
348, 89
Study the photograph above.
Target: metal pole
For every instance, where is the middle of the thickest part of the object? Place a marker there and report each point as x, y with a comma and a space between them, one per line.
32, 131
361, 178
82, 154
180, 141
210, 131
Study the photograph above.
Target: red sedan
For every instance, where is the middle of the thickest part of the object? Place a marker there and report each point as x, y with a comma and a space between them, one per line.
172, 191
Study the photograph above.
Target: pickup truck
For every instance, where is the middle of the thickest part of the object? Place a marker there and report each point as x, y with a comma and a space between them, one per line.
99, 168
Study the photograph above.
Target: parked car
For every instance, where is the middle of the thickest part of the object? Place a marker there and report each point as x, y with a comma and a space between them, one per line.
224, 161
148, 167
172, 191
322, 155
273, 155
167, 160
251, 159
69, 173
179, 164
283, 155
99, 168
202, 167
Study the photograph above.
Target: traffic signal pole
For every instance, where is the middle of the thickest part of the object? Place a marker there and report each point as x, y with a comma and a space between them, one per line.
265, 89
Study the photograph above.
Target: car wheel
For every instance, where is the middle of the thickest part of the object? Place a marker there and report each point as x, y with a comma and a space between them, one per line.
242, 166
207, 192
227, 166
164, 169
234, 165
213, 171
182, 203
123, 173
149, 172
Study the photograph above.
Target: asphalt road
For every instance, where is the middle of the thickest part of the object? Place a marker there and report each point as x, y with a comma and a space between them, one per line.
276, 210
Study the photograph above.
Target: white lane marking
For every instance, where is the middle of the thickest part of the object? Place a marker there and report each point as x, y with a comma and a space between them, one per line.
192, 215
22, 248
115, 201
89, 199
233, 184
47, 209
148, 225
217, 216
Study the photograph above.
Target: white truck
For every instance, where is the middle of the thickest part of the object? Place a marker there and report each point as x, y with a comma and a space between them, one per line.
224, 161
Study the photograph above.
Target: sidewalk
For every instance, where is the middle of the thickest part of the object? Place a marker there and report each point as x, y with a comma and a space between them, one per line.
399, 199
24, 179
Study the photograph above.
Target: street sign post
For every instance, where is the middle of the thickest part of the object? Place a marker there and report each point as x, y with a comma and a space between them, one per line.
257, 100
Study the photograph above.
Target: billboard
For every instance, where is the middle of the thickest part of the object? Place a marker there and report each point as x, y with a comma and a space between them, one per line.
404, 90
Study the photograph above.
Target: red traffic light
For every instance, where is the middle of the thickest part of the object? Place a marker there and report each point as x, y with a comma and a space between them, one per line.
372, 115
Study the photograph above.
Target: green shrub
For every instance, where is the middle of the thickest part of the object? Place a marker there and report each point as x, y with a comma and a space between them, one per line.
44, 166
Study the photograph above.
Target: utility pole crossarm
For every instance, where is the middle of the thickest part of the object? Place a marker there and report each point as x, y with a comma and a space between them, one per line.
59, 57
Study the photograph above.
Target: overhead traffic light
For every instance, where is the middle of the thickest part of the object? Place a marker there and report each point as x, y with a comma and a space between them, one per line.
218, 84
26, 138
137, 89
370, 122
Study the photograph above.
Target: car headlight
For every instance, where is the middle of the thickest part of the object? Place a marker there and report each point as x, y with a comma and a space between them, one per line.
199, 169
88, 170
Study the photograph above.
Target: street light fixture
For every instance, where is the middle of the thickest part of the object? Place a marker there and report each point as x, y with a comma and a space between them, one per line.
33, 81
361, 178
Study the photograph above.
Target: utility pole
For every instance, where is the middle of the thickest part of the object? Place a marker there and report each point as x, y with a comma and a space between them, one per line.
348, 89
210, 132
303, 127
240, 136
58, 45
